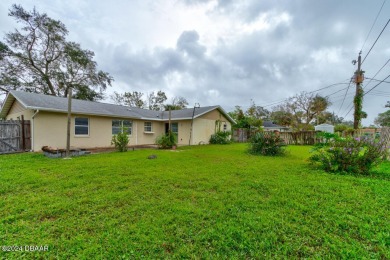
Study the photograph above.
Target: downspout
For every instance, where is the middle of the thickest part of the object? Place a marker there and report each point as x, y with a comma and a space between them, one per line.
32, 129
136, 132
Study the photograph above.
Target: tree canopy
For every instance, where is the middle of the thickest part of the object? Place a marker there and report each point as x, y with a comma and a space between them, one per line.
131, 99
153, 101
383, 119
38, 58
252, 118
301, 110
177, 103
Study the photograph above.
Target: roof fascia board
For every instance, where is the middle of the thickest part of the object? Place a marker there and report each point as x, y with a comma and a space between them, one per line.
8, 101
78, 113
220, 109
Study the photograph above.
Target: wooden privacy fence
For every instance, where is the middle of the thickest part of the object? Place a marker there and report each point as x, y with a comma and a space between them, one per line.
15, 136
243, 135
301, 137
310, 137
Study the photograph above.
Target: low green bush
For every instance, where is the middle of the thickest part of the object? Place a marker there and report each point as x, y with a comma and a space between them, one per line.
351, 155
220, 137
267, 143
121, 140
166, 141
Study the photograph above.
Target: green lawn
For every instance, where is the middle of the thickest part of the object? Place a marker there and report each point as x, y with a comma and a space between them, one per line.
197, 202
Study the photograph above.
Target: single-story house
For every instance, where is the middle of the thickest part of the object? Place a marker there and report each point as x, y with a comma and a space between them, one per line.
271, 126
94, 123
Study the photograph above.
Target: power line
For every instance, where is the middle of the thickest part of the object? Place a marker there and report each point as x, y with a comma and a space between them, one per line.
335, 84
336, 92
376, 18
378, 72
342, 103
375, 41
368, 92
279, 101
349, 111
376, 85
378, 80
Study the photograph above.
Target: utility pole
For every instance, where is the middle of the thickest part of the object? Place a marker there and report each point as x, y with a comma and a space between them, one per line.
68, 123
358, 100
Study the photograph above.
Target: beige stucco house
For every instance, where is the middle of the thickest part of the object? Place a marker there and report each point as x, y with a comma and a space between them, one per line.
94, 123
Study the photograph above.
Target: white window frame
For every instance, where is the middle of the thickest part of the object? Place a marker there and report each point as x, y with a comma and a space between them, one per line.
75, 126
130, 129
147, 128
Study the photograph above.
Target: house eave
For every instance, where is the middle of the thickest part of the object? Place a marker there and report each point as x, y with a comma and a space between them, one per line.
9, 100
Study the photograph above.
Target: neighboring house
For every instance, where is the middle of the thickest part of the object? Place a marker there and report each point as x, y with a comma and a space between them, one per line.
94, 123
270, 126
325, 128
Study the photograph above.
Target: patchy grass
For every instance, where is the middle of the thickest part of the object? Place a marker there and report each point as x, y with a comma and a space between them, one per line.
197, 202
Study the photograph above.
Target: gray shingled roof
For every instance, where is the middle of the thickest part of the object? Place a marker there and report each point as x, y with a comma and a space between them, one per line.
60, 104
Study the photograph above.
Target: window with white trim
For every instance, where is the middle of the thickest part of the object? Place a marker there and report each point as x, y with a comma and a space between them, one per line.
148, 127
81, 126
225, 127
175, 128
119, 125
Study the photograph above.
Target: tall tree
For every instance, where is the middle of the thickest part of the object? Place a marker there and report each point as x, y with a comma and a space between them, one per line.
156, 101
300, 110
177, 103
132, 99
281, 116
38, 58
252, 117
318, 106
383, 119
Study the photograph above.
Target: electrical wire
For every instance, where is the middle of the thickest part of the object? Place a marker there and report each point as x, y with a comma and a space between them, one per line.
376, 41
342, 103
376, 18
371, 79
378, 80
280, 101
376, 85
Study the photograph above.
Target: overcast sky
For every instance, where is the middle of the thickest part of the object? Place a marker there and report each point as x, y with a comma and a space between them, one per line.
230, 52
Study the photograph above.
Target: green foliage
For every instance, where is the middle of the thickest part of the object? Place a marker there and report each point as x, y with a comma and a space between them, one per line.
300, 111
220, 137
281, 117
350, 155
38, 58
358, 103
383, 119
325, 138
156, 101
177, 103
340, 128
131, 99
267, 143
121, 140
211, 202
166, 141
251, 118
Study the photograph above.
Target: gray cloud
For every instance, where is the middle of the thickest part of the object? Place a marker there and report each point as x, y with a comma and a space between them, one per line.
189, 42
313, 48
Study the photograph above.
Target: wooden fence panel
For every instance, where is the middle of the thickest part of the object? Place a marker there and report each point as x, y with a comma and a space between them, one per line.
298, 138
15, 136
